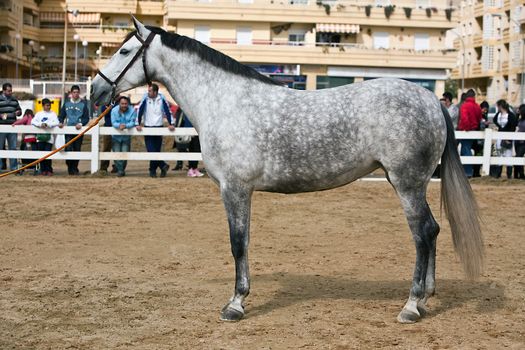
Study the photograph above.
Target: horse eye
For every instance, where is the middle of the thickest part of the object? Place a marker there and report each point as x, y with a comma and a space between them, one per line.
124, 52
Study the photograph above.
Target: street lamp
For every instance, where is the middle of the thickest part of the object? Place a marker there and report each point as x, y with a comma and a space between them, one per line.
17, 38
84, 44
76, 37
99, 53
463, 60
42, 49
66, 12
31, 44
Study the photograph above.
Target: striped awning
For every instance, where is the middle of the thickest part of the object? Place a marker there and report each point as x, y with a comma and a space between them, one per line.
84, 18
80, 18
52, 17
336, 28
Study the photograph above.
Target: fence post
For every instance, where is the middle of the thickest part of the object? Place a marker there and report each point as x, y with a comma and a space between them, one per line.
487, 152
95, 155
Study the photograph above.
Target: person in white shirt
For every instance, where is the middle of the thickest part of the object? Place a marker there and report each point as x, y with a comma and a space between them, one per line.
154, 111
45, 119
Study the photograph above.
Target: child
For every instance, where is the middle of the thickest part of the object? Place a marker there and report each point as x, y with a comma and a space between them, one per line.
44, 142
28, 140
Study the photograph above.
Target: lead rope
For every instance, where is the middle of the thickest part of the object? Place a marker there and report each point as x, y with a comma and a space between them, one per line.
92, 124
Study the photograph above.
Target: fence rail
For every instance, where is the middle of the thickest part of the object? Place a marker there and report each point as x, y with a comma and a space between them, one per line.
95, 155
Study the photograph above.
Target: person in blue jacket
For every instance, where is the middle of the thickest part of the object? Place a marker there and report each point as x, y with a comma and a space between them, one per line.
75, 113
122, 117
154, 112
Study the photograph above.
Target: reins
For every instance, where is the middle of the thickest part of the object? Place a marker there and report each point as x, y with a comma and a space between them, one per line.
92, 124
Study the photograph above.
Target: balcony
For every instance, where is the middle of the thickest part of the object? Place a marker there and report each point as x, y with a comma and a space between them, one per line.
151, 8
477, 40
340, 54
285, 12
9, 19
506, 35
478, 9
113, 6
95, 33
31, 32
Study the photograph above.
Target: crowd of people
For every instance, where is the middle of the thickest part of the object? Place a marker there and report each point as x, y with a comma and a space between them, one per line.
154, 111
467, 115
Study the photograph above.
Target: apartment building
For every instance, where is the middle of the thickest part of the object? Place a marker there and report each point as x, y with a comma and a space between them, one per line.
491, 49
306, 44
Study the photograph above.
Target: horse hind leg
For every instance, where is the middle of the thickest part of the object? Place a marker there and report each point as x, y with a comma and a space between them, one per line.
424, 231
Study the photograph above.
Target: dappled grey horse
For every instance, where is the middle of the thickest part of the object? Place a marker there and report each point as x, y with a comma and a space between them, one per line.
258, 135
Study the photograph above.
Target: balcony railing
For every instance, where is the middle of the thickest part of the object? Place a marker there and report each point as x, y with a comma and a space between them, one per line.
291, 11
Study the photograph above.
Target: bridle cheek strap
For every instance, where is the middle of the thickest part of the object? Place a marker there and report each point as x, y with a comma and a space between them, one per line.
142, 50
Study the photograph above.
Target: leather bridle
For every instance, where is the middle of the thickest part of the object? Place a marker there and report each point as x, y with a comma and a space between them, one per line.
142, 50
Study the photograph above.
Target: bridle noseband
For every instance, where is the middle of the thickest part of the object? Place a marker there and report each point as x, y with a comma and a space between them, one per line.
145, 45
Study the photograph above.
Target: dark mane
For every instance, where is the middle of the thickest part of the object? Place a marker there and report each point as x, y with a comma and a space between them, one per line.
216, 58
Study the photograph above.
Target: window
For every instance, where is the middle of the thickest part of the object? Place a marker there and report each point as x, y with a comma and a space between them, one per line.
421, 41
382, 2
202, 34
381, 40
296, 37
245, 1
324, 82
423, 3
244, 36
487, 57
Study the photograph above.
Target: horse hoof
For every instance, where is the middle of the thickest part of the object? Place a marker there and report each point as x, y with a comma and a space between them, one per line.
230, 314
407, 316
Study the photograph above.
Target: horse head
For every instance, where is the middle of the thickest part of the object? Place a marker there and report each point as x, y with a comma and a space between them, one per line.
126, 69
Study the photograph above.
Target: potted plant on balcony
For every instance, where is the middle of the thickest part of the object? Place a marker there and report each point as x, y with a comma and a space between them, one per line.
327, 7
368, 10
448, 13
389, 9
428, 11
408, 11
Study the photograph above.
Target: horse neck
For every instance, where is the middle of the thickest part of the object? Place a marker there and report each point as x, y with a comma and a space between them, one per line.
197, 86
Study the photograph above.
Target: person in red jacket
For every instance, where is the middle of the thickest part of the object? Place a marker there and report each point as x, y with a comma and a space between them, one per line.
469, 120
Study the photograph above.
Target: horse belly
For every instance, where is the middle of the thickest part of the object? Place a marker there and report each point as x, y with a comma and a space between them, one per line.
314, 177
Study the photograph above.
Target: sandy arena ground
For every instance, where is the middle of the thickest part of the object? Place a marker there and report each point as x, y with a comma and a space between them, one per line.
141, 263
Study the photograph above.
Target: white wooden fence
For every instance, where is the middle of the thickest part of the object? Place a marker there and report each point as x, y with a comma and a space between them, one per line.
95, 155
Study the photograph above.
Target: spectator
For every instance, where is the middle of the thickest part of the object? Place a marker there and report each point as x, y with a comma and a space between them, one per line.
477, 145
122, 117
9, 110
155, 111
107, 143
520, 144
192, 144
469, 119
75, 111
28, 140
505, 120
453, 110
45, 119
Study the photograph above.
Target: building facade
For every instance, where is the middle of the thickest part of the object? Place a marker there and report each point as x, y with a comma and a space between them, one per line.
490, 42
303, 43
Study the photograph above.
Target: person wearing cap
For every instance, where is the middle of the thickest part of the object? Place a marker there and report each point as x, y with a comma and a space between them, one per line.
45, 119
75, 113
453, 110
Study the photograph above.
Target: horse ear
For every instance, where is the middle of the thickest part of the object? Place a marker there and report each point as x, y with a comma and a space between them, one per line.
141, 29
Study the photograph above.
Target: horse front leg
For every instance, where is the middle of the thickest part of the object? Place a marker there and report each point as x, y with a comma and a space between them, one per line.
237, 201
